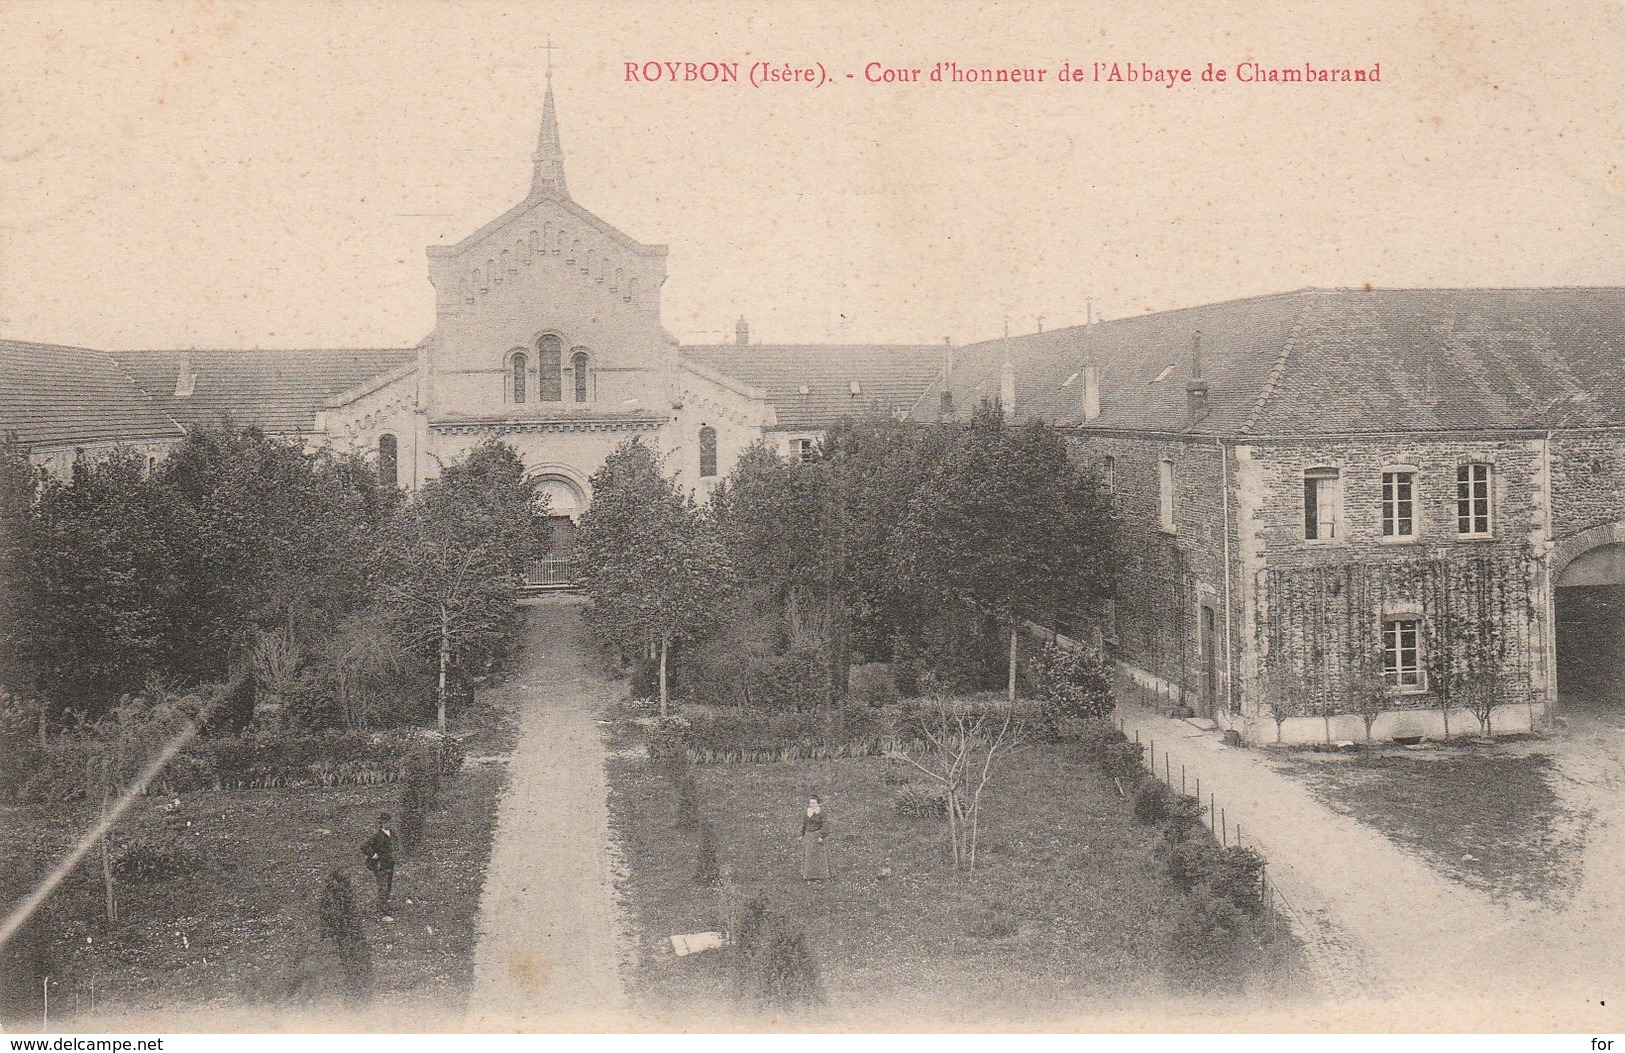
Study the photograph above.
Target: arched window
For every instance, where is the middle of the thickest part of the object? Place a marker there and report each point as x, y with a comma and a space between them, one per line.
492, 270
578, 369
549, 367
708, 452
517, 375
388, 461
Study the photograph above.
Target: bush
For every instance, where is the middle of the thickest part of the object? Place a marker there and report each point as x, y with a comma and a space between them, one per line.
412, 808
707, 861
688, 801
1096, 736
873, 685
922, 802
1073, 686
1208, 926
1151, 801
1124, 760
339, 925
772, 962
789, 976
668, 738
750, 734
1233, 874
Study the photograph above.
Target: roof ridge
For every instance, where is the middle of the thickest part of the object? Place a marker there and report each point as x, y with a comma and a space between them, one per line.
1273, 382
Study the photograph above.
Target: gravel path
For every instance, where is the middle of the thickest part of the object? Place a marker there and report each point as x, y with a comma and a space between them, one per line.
1397, 944
550, 941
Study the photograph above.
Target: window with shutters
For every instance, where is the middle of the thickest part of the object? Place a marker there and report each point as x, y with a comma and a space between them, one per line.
1322, 504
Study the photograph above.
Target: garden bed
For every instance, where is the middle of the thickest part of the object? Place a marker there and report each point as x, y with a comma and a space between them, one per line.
234, 928
1067, 912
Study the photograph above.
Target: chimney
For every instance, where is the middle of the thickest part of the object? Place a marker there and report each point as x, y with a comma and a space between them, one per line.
1196, 387
185, 379
1091, 371
1091, 391
1007, 389
741, 331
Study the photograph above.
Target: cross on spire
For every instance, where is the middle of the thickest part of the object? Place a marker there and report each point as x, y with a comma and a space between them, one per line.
549, 156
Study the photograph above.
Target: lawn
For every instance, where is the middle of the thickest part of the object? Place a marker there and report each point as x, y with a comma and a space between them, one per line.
1484, 816
1066, 914
235, 931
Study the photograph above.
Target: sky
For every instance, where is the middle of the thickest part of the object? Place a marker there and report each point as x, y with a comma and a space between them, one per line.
268, 174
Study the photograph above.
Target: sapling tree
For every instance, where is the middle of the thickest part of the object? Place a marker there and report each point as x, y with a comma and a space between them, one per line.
965, 746
452, 558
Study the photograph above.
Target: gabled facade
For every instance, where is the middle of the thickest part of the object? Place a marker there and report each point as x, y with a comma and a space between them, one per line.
547, 335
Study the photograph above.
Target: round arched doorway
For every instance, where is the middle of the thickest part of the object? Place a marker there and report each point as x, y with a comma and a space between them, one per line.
566, 500
1589, 600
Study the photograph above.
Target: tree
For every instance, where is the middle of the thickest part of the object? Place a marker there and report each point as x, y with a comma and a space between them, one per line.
452, 558
652, 563
772, 516
876, 466
964, 745
1006, 522
265, 537
18, 486
98, 586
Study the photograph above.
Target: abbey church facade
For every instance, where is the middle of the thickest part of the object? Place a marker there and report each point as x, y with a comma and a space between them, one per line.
547, 335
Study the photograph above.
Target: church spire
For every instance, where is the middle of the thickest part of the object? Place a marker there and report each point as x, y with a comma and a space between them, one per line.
549, 157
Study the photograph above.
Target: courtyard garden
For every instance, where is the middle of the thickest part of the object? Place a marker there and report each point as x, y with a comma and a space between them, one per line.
1073, 908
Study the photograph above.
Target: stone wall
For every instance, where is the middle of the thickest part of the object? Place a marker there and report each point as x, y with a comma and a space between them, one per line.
1165, 579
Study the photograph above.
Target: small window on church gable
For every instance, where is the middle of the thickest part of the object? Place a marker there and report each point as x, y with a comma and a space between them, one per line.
708, 452
388, 461
479, 280
549, 367
517, 370
578, 371
535, 244
491, 269
507, 262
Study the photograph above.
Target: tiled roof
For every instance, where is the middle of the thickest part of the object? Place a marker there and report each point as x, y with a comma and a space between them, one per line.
279, 392
1321, 361
67, 396
890, 377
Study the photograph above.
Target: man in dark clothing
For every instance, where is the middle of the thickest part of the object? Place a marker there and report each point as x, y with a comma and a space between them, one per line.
379, 852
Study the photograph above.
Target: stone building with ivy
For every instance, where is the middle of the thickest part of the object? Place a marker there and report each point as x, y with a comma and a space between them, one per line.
1350, 512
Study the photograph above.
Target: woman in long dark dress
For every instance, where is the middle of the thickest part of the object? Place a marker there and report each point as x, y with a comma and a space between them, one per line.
814, 850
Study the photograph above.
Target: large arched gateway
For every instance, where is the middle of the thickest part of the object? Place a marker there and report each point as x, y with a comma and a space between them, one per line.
567, 494
1588, 578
